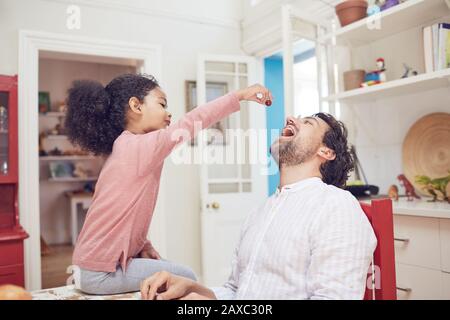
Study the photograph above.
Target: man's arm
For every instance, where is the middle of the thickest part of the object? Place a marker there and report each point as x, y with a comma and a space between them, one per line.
342, 248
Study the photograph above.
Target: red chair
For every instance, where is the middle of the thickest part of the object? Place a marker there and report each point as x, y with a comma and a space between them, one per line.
381, 277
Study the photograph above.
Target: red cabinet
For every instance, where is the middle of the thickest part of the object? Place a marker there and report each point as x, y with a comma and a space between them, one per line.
12, 234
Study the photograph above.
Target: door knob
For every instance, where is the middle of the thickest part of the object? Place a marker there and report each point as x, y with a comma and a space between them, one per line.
214, 205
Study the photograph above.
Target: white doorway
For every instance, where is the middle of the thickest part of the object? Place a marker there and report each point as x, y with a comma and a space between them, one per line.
67, 174
147, 59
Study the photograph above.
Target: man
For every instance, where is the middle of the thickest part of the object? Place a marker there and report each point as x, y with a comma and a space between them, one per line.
310, 240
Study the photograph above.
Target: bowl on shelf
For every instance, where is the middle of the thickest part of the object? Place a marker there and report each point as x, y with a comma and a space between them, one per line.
350, 11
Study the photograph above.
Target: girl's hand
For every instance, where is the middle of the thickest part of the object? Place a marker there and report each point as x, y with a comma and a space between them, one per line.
256, 93
149, 252
165, 286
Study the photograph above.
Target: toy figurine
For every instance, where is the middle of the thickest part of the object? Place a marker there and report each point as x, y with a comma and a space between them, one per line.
62, 107
386, 4
377, 76
409, 188
89, 187
55, 152
393, 192
373, 8
408, 70
435, 187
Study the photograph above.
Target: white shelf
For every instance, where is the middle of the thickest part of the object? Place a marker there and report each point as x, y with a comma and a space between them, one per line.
68, 179
66, 158
56, 137
402, 17
414, 84
53, 114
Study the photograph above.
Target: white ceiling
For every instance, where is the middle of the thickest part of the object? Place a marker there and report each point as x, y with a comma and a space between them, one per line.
321, 9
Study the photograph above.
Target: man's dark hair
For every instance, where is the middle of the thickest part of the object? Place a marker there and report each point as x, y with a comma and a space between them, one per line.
336, 172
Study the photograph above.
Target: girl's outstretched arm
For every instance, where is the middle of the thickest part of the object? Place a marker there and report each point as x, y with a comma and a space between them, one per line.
155, 146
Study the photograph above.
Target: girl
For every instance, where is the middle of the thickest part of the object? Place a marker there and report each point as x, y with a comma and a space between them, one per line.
128, 122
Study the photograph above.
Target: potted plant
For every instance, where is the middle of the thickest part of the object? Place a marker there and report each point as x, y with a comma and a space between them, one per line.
351, 10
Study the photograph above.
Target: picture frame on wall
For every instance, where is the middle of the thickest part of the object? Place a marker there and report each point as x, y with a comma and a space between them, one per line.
216, 134
44, 101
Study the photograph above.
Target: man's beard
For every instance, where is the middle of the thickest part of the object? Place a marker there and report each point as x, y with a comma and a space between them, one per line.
290, 153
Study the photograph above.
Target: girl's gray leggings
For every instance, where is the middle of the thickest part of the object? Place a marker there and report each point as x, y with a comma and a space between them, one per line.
105, 283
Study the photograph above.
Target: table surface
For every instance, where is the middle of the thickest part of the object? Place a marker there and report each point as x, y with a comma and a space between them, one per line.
419, 207
70, 293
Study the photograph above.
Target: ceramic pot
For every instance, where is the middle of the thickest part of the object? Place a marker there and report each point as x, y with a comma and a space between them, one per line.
353, 79
351, 10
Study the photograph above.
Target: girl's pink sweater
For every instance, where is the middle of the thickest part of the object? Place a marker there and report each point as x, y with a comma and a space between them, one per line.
118, 219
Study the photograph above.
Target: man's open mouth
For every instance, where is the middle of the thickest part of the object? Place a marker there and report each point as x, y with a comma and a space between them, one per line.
289, 131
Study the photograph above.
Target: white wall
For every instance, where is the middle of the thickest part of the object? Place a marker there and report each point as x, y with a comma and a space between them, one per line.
378, 127
183, 29
56, 76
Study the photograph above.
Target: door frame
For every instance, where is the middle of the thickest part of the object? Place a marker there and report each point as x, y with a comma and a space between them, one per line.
30, 43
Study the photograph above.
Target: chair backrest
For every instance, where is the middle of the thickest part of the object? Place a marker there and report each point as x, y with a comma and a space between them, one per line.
382, 273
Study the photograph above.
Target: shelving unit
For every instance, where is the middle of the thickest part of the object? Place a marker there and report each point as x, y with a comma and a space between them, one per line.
65, 158
405, 16
53, 114
380, 127
62, 140
402, 17
12, 235
69, 179
398, 87
57, 137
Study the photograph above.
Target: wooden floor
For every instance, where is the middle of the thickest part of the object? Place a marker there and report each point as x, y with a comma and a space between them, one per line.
54, 266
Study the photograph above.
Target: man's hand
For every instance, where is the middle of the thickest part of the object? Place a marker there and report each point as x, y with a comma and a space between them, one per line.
165, 286
257, 93
148, 252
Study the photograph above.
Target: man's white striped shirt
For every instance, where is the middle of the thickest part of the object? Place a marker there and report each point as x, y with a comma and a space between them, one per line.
309, 240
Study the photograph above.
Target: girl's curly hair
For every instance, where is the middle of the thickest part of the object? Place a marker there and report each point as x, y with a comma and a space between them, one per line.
96, 115
336, 172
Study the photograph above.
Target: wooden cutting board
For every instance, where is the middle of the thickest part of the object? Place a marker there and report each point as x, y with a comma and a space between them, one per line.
426, 148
